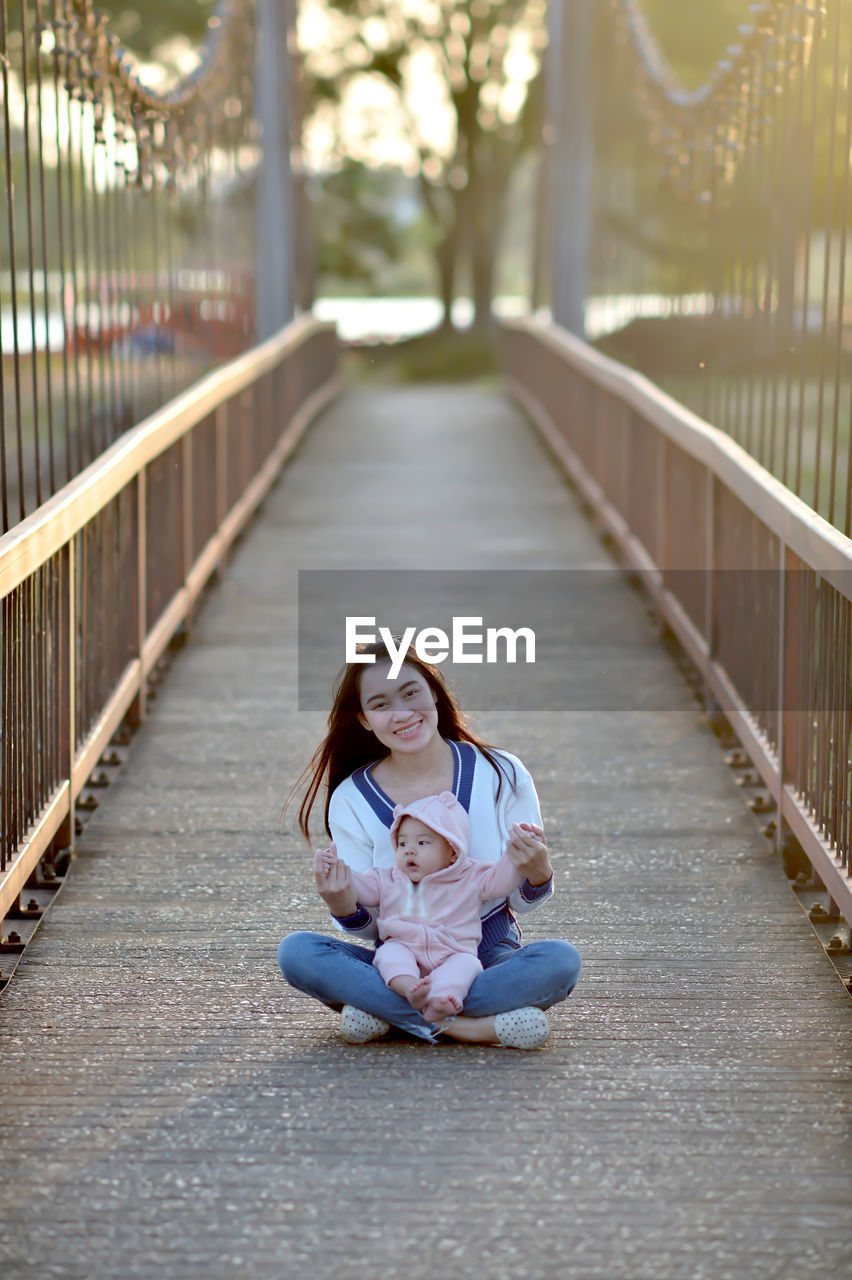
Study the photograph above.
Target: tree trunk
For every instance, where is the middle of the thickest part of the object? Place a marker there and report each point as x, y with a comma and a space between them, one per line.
446, 253
444, 212
485, 208
483, 244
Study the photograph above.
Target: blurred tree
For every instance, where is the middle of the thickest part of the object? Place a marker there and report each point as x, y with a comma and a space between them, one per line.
459, 80
145, 26
357, 234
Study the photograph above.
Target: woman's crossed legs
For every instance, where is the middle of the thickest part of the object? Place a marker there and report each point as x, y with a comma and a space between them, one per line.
338, 972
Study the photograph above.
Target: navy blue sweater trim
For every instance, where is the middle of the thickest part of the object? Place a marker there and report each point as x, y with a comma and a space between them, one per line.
358, 920
498, 925
535, 892
464, 768
380, 803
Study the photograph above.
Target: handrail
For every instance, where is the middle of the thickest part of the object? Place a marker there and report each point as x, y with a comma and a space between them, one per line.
756, 586
95, 583
39, 536
816, 541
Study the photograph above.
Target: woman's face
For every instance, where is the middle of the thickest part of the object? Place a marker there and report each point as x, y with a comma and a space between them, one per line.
401, 712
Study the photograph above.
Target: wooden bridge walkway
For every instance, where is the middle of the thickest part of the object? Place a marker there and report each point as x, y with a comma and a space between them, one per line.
172, 1109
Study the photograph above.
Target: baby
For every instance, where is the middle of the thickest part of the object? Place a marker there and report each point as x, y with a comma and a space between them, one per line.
429, 918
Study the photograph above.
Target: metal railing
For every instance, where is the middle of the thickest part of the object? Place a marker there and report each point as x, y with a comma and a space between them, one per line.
96, 582
720, 233
755, 585
127, 248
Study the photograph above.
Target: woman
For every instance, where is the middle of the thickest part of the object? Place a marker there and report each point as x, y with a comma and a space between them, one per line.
393, 741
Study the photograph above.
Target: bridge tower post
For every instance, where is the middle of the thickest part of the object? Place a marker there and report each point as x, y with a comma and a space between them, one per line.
569, 108
274, 204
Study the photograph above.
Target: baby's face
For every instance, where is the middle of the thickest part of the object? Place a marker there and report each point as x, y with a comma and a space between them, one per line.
420, 850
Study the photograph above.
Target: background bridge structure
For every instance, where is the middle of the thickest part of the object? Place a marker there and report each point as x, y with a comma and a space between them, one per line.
684, 359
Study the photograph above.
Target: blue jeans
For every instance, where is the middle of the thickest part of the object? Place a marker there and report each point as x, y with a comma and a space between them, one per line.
338, 972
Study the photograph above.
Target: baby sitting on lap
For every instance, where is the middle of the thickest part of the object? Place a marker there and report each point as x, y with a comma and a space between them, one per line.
429, 904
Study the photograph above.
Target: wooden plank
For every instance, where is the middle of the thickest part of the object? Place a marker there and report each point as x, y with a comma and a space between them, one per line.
172, 1090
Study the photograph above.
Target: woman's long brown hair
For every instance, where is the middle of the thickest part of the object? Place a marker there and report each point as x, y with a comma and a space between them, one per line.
348, 745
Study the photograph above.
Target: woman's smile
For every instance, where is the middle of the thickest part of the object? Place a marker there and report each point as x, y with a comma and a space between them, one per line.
408, 730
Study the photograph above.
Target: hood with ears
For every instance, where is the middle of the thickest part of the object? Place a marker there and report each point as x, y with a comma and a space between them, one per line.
442, 814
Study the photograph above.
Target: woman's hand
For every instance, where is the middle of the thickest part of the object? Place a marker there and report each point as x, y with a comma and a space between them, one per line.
334, 882
527, 848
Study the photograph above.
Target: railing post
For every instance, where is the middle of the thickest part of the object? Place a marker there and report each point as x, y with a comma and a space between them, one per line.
136, 714
709, 585
187, 498
274, 197
782, 684
570, 108
221, 462
71, 623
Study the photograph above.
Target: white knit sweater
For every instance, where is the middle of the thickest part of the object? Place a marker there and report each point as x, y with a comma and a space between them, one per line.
360, 816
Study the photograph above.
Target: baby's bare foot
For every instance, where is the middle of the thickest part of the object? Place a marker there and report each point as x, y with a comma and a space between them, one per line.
440, 1008
418, 995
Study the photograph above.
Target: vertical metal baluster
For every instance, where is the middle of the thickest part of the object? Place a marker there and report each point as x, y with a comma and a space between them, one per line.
70, 281
4, 479
19, 696
170, 201
810, 698
30, 239
13, 257
50, 700
810, 152
794, 120
45, 260
821, 704
756, 240
826, 279
111, 283
6, 736
122, 258
843, 234
769, 326
735, 143
102, 414
90, 434
136, 292
847, 739
159, 301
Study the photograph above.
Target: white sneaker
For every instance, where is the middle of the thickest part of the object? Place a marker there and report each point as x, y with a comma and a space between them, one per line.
522, 1028
358, 1027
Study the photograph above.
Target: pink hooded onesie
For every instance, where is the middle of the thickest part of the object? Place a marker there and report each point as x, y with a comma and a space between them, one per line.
434, 926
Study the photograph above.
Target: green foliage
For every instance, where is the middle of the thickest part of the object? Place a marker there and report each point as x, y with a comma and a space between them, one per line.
358, 230
440, 355
144, 27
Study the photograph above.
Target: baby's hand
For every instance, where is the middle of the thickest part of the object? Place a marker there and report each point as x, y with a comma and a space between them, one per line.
325, 861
